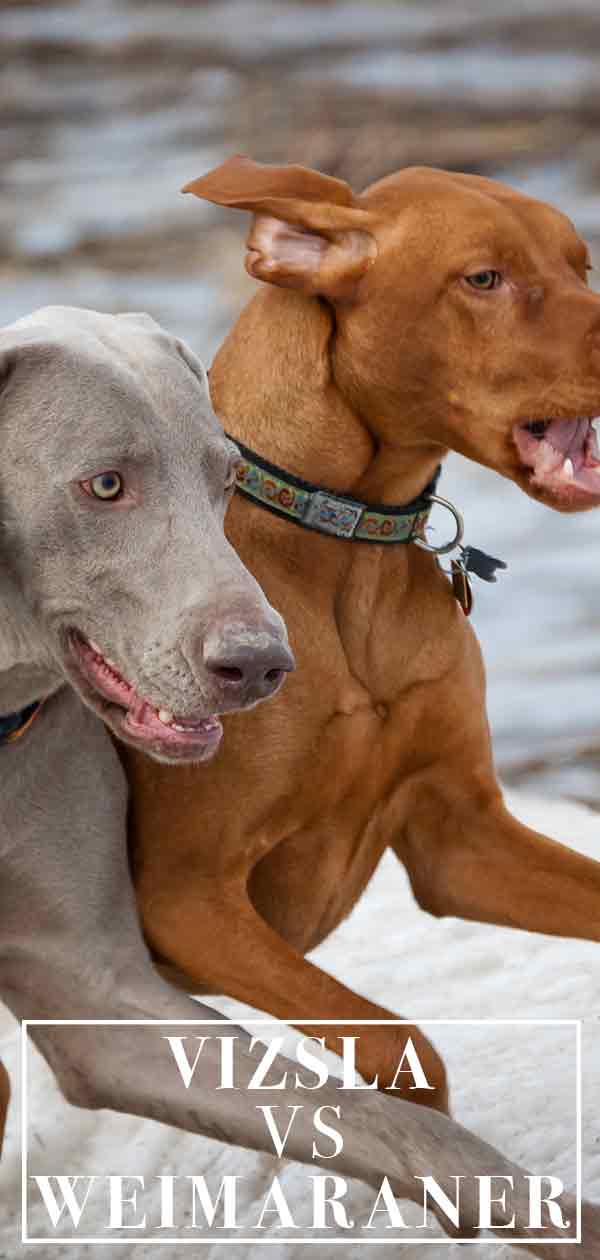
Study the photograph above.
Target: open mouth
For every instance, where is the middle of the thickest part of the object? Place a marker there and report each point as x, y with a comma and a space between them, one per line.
135, 718
564, 458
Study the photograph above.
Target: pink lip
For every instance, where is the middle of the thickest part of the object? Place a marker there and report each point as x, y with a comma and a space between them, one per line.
188, 738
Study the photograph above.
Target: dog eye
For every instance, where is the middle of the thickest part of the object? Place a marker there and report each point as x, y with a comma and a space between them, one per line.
483, 280
107, 486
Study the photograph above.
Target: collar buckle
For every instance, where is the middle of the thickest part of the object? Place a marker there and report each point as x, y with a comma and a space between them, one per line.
458, 529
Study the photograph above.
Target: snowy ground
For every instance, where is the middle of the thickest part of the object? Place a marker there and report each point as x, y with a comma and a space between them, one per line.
515, 1087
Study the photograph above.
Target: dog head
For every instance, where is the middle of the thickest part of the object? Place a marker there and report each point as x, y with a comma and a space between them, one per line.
463, 318
114, 482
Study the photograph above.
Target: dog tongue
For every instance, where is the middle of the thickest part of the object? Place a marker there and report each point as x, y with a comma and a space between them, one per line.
567, 438
565, 458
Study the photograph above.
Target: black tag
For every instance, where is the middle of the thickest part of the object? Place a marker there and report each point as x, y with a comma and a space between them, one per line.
479, 563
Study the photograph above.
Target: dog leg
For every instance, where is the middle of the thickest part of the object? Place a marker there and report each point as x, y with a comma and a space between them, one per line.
477, 862
87, 960
246, 959
382, 1136
131, 1070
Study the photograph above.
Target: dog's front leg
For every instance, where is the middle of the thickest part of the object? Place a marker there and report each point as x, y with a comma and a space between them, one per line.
382, 1137
469, 857
132, 1069
71, 948
71, 945
464, 852
214, 935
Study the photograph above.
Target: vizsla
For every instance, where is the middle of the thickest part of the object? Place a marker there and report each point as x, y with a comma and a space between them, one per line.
433, 311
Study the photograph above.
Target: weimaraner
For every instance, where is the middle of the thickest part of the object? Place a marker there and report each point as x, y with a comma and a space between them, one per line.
115, 479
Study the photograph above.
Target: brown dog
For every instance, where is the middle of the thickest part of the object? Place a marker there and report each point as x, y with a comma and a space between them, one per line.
434, 311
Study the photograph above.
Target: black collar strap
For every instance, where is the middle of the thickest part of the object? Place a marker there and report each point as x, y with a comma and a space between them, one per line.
13, 725
319, 509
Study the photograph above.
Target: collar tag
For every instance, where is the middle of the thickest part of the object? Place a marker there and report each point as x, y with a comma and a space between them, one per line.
461, 587
479, 563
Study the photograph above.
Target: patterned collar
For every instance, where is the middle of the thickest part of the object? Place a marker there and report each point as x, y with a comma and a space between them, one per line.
316, 508
13, 725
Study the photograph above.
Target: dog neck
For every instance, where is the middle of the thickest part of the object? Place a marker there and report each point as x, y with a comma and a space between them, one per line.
281, 386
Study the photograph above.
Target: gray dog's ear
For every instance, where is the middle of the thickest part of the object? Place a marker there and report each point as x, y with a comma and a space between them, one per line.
190, 359
19, 637
193, 362
307, 232
20, 339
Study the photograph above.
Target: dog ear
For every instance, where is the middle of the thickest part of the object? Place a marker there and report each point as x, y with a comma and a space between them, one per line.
306, 234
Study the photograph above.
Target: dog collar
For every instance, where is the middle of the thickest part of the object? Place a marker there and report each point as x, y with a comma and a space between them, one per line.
13, 725
343, 516
319, 509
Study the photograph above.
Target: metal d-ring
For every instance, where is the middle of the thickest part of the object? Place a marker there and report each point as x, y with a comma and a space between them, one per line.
442, 551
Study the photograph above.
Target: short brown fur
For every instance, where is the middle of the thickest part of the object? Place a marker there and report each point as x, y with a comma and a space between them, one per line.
357, 367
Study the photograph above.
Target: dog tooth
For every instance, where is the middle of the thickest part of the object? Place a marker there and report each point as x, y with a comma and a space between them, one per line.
568, 471
595, 427
165, 716
94, 647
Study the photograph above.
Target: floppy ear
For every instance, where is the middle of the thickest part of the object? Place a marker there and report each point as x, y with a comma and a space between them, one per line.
306, 234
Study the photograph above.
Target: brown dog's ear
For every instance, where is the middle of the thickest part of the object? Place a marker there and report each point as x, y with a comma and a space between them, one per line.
307, 234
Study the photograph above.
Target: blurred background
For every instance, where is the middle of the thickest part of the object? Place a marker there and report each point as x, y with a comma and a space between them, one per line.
107, 107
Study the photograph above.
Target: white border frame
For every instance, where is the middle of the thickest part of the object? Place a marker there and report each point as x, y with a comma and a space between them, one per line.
354, 1241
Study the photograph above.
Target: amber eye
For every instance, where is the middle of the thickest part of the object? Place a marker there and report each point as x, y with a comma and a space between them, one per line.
484, 280
107, 485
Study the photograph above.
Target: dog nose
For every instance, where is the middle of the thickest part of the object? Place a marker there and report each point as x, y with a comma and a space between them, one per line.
254, 664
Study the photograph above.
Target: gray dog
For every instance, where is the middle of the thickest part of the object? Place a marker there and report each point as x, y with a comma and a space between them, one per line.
114, 479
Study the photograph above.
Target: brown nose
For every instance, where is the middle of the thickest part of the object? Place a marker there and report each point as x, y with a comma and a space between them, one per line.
246, 663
